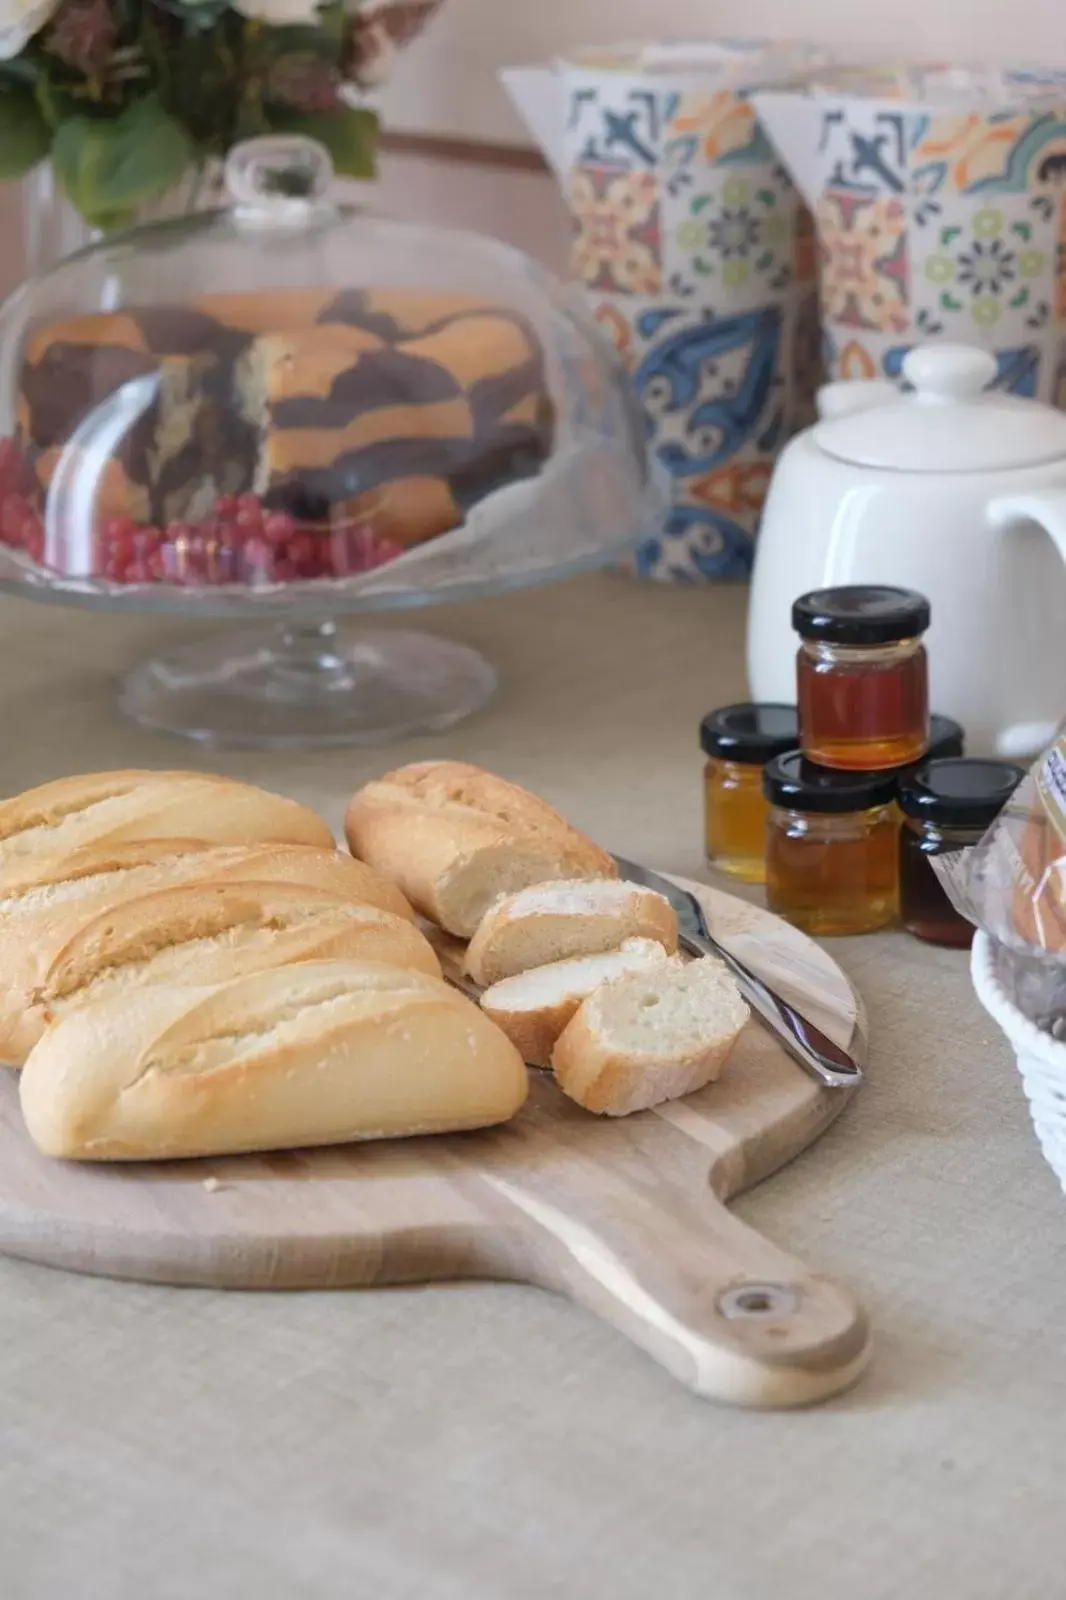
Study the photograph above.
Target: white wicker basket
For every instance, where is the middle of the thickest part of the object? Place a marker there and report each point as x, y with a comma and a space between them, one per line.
1041, 1059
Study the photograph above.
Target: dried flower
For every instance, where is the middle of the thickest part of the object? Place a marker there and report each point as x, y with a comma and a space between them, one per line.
305, 83
83, 35
126, 98
378, 32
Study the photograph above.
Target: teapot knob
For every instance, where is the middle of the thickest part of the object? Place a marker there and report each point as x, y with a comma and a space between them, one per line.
949, 371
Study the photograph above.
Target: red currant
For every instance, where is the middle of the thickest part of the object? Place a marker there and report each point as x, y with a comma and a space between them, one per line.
13, 509
279, 526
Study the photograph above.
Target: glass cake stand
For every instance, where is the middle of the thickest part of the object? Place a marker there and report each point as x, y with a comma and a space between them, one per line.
298, 674
288, 411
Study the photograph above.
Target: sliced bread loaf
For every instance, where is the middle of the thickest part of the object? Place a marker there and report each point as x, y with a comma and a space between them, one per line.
455, 838
650, 1036
533, 1008
560, 920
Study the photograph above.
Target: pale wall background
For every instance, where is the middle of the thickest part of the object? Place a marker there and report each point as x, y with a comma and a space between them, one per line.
447, 84
447, 81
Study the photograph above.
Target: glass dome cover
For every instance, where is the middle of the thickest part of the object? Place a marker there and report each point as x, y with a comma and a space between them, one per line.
290, 394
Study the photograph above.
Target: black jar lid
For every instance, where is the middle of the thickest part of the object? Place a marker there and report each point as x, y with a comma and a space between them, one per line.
946, 738
966, 791
860, 613
750, 732
793, 783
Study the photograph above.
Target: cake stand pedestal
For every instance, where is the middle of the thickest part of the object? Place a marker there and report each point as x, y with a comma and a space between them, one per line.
308, 684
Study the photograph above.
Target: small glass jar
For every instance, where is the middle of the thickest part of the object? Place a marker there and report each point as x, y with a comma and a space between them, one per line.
738, 742
862, 677
947, 738
946, 805
832, 846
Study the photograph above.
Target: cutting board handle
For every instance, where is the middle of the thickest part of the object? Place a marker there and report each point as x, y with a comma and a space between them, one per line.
724, 1310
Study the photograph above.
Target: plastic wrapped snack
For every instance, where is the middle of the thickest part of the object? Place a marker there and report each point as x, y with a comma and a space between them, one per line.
1013, 885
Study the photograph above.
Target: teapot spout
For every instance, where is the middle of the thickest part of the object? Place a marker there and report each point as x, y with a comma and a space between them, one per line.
538, 97
793, 122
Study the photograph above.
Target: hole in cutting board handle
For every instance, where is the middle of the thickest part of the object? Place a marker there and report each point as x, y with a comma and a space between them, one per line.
757, 1302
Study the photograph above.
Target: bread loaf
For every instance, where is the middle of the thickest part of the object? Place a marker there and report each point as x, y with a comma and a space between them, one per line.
319, 1053
534, 1008
76, 821
649, 1037
36, 925
558, 921
455, 838
208, 932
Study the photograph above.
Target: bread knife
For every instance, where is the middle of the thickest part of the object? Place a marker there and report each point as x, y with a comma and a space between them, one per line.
827, 1062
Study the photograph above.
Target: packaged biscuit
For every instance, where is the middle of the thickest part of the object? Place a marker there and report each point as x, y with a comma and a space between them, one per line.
1013, 885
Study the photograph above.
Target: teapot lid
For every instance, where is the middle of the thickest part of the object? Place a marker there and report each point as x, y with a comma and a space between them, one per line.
951, 423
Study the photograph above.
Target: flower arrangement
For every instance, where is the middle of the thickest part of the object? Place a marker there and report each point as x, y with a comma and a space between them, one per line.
127, 97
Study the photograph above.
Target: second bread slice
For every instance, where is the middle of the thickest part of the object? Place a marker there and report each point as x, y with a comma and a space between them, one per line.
559, 921
533, 1008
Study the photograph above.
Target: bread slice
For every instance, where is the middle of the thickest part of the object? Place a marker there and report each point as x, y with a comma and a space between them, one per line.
560, 920
649, 1037
318, 1053
207, 932
534, 1007
455, 838
45, 828
39, 923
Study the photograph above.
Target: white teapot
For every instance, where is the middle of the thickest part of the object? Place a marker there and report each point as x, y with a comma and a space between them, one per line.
952, 490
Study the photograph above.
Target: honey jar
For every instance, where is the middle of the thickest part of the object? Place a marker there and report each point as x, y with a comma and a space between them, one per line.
738, 741
862, 676
831, 846
946, 805
946, 738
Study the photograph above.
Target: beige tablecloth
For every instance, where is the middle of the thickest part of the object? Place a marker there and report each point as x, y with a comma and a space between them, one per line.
485, 1442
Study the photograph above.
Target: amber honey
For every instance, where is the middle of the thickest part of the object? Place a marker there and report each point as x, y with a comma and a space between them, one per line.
859, 714
947, 805
862, 677
832, 847
738, 741
925, 909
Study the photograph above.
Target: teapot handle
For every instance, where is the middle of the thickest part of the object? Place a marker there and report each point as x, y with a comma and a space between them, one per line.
1047, 509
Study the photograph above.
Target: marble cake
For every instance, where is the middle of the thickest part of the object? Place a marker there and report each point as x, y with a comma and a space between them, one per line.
397, 407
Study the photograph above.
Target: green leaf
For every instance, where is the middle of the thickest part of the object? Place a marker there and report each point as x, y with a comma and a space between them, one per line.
25, 138
350, 136
55, 103
111, 167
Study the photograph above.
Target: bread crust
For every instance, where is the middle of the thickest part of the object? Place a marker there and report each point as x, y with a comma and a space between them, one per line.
318, 1053
36, 926
200, 932
101, 872
614, 1084
454, 837
534, 1030
534, 1033
507, 939
96, 813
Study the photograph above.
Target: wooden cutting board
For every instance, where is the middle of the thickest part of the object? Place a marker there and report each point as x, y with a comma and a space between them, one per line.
626, 1217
